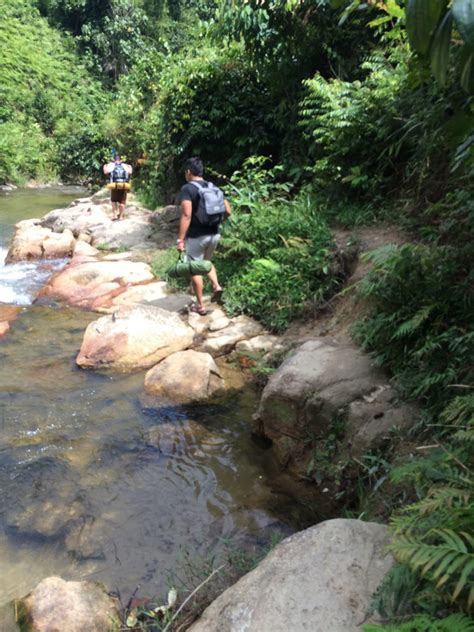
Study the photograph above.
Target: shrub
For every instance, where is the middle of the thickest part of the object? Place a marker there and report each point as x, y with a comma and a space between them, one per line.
276, 254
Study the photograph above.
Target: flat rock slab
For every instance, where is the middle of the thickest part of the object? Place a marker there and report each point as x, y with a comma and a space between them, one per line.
185, 377
133, 337
320, 579
223, 341
56, 605
91, 284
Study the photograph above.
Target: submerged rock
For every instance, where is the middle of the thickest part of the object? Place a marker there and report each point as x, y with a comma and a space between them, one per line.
319, 579
135, 337
56, 605
185, 377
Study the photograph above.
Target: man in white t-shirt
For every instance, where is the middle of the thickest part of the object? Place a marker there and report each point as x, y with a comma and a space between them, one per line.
119, 173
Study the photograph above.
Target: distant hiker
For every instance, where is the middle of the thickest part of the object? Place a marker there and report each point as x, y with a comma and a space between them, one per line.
203, 209
119, 176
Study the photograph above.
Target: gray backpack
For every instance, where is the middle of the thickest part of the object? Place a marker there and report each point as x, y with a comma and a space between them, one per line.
211, 209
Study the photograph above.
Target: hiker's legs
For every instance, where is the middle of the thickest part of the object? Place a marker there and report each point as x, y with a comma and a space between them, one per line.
202, 248
114, 209
198, 288
212, 276
122, 202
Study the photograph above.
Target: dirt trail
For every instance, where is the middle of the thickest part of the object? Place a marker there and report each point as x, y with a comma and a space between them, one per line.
346, 307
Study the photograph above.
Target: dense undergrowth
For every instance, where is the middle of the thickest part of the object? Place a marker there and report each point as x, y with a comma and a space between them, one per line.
308, 124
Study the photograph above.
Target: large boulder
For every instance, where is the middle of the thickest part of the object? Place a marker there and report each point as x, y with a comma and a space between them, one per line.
185, 377
33, 241
82, 216
309, 389
90, 284
56, 605
133, 337
320, 579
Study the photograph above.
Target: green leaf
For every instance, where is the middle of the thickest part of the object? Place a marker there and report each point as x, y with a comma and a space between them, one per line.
422, 19
466, 72
463, 12
440, 48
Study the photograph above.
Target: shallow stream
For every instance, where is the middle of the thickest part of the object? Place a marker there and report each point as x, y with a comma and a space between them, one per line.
96, 480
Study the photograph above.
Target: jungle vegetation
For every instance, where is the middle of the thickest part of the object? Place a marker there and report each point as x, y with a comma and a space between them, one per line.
312, 114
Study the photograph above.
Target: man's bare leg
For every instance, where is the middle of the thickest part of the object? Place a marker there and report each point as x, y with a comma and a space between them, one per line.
212, 276
198, 290
121, 214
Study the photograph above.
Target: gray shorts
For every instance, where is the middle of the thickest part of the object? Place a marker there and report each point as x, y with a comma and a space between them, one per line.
199, 248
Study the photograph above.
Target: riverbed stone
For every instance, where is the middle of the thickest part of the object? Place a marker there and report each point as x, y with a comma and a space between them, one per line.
222, 342
133, 337
260, 345
84, 249
185, 377
91, 284
322, 578
56, 605
312, 388
32, 241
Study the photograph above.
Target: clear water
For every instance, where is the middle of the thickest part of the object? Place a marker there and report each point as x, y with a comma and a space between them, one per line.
97, 481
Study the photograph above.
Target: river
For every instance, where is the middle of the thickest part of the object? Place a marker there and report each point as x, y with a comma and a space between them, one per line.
96, 480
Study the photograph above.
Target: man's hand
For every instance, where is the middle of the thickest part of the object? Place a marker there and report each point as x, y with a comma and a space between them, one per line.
180, 245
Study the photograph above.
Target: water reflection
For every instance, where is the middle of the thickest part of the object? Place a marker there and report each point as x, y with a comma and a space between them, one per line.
98, 481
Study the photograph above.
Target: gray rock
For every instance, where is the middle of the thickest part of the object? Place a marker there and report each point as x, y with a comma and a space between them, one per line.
319, 580
185, 377
222, 342
56, 605
309, 389
133, 337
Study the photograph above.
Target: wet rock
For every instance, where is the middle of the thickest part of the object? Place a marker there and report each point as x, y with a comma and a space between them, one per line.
132, 338
174, 438
33, 241
318, 381
8, 313
92, 284
322, 578
222, 342
185, 377
56, 605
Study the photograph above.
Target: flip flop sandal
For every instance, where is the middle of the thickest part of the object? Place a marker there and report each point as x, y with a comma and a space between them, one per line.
217, 295
197, 309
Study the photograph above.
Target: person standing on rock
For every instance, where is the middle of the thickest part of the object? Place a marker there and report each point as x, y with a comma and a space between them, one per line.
203, 209
119, 175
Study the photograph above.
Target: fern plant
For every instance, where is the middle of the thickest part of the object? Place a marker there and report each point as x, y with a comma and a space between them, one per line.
424, 623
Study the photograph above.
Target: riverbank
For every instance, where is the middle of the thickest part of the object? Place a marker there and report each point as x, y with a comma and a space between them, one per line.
88, 222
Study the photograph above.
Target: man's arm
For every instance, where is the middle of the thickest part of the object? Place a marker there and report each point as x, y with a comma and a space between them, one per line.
227, 212
184, 222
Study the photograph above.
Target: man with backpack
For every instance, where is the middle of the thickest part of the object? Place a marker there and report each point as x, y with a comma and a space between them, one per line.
203, 209
119, 175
